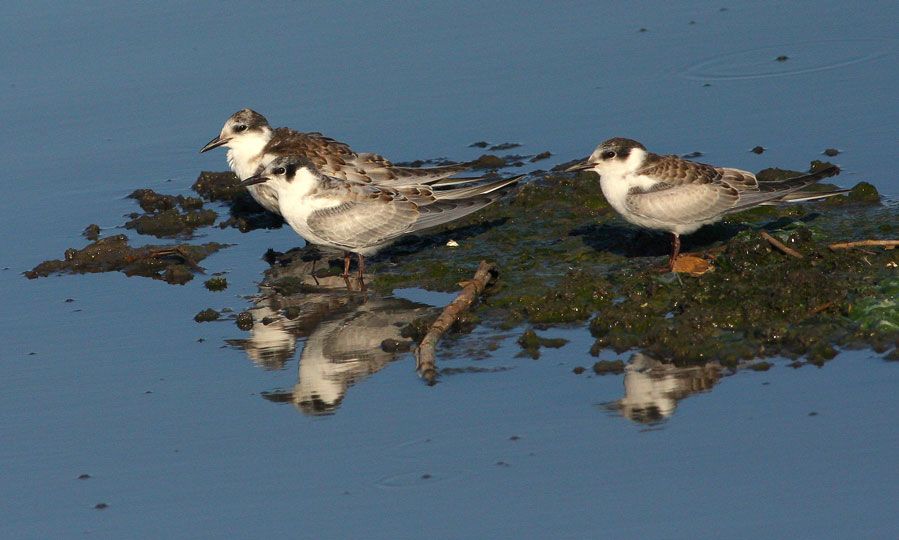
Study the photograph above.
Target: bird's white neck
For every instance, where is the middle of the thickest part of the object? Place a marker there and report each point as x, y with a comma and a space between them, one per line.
245, 151
618, 177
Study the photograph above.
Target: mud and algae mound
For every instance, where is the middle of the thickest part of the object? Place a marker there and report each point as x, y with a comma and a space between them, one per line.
758, 303
168, 216
175, 264
219, 186
171, 223
150, 201
565, 256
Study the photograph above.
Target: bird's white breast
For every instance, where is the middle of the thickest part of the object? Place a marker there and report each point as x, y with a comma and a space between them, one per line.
244, 158
297, 203
618, 178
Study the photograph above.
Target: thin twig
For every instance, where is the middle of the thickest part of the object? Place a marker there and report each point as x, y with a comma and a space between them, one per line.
823, 307
780, 245
425, 354
888, 244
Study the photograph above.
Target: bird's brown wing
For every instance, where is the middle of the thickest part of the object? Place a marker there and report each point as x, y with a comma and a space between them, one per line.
337, 159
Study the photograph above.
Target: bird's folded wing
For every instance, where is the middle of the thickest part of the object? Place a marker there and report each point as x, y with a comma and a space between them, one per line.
337, 159
369, 216
685, 203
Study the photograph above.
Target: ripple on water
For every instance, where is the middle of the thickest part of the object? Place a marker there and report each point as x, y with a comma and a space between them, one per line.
804, 57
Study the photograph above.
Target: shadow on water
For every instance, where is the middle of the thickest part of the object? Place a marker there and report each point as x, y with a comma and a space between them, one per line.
652, 388
347, 334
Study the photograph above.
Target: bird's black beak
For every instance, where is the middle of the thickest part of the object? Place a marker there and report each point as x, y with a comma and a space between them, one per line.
582, 166
214, 143
253, 180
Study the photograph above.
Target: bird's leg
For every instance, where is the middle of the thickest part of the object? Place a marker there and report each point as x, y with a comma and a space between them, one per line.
346, 264
675, 250
361, 264
312, 272
362, 286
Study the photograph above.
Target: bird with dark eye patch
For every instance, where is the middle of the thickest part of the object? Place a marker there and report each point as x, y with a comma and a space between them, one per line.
251, 141
363, 217
669, 193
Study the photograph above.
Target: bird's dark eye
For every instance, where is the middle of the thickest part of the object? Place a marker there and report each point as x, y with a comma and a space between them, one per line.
279, 170
240, 127
608, 154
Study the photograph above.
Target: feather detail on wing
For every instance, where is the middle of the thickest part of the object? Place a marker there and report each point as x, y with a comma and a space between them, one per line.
675, 171
684, 204
481, 188
337, 159
444, 211
787, 190
371, 216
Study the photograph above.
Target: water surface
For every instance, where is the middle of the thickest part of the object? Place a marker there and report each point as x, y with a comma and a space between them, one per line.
171, 418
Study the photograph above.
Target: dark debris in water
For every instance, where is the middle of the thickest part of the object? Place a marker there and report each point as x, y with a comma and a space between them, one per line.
207, 315
91, 232
609, 367
531, 343
504, 146
175, 264
216, 284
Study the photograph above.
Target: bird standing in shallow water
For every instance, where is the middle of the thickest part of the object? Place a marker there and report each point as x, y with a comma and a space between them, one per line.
251, 142
669, 193
360, 217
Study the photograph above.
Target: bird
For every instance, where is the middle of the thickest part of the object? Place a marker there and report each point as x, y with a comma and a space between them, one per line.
250, 138
669, 193
363, 217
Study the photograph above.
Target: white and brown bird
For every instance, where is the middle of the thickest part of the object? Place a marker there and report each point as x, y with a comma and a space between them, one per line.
251, 142
669, 193
363, 217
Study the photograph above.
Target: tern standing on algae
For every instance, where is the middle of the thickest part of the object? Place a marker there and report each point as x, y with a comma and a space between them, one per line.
669, 193
362, 217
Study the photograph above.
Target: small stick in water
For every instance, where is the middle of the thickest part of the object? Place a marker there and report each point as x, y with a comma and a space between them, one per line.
425, 354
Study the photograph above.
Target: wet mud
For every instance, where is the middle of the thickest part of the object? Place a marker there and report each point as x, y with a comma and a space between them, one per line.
168, 216
176, 264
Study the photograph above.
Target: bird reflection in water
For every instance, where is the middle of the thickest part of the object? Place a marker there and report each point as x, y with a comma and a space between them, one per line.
348, 335
653, 388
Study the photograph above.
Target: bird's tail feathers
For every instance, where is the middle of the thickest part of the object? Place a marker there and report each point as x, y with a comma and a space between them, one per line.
483, 188
805, 196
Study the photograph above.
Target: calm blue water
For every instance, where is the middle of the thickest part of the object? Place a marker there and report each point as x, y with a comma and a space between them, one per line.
175, 433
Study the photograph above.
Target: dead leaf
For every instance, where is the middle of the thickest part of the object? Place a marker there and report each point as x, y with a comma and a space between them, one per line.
690, 264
